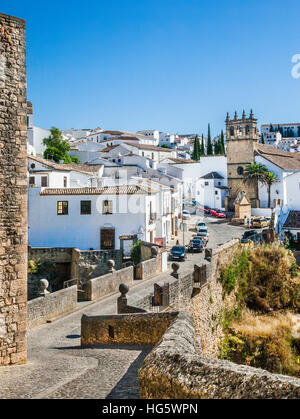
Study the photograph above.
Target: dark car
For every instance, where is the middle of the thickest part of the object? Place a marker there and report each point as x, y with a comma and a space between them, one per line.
196, 246
251, 236
178, 253
203, 236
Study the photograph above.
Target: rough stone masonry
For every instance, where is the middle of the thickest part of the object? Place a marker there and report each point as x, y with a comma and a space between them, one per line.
13, 191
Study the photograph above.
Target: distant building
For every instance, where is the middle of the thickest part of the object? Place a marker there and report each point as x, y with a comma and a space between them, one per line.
35, 134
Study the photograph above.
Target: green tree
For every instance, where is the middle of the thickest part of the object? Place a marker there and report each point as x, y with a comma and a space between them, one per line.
222, 143
196, 151
268, 179
57, 148
202, 148
209, 143
136, 253
255, 173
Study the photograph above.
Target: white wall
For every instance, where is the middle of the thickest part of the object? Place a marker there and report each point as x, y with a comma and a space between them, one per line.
47, 229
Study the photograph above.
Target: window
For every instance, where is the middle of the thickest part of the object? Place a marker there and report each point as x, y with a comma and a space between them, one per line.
216, 192
219, 183
62, 207
107, 207
206, 183
32, 165
240, 171
31, 180
85, 207
44, 181
65, 181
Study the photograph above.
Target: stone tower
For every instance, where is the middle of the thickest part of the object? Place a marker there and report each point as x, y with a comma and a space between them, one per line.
241, 137
13, 191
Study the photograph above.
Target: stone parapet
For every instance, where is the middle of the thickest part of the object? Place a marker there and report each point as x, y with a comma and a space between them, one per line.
176, 369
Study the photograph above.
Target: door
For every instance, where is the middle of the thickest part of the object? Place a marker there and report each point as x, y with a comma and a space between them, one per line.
107, 238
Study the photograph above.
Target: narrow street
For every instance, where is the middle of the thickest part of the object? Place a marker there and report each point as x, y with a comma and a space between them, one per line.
59, 368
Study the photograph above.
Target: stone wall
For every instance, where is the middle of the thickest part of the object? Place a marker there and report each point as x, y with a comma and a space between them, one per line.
93, 263
13, 191
149, 268
133, 329
59, 264
176, 369
52, 305
107, 284
208, 305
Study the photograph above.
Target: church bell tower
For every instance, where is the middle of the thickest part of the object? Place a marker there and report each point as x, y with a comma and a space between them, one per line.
241, 138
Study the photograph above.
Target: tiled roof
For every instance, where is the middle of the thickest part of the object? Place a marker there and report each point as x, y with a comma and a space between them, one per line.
182, 161
149, 147
283, 159
81, 168
293, 220
106, 190
212, 175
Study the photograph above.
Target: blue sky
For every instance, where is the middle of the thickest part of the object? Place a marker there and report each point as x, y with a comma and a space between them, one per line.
160, 64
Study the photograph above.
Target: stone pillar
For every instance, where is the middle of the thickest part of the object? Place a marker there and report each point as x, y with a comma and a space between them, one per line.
13, 191
122, 300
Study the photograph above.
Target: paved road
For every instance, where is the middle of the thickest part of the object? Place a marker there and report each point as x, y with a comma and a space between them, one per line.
59, 368
220, 232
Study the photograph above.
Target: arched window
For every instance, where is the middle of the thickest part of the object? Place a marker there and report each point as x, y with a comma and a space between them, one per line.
247, 129
231, 131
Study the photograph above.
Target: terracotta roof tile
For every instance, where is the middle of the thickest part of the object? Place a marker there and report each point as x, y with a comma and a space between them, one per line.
106, 190
283, 159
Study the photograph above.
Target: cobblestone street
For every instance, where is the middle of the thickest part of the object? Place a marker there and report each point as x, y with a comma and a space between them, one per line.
59, 368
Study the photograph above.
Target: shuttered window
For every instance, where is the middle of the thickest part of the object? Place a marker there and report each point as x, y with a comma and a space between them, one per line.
107, 207
44, 181
85, 207
107, 239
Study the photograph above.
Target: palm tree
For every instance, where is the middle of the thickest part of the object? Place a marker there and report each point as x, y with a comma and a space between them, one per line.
255, 173
268, 179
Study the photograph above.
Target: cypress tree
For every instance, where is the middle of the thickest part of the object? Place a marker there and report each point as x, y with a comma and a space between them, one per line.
196, 151
209, 143
262, 139
222, 143
202, 148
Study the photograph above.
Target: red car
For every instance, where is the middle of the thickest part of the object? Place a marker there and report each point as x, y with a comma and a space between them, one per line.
213, 211
220, 214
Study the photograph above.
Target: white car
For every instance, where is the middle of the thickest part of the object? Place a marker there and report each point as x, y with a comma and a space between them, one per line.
186, 215
202, 225
203, 231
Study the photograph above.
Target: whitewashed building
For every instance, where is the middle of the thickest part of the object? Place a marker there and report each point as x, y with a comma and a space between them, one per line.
90, 218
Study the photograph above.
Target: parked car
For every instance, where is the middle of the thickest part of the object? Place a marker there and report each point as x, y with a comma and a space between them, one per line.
177, 253
196, 245
206, 209
213, 211
220, 214
186, 215
203, 235
201, 224
260, 222
251, 236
